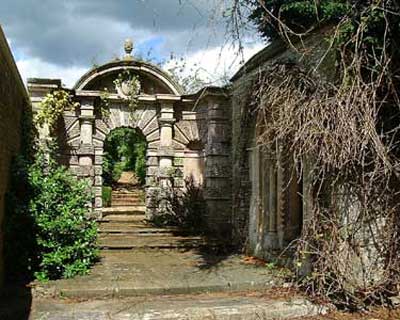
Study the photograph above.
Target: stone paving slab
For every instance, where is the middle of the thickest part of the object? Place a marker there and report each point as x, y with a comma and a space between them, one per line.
142, 272
196, 307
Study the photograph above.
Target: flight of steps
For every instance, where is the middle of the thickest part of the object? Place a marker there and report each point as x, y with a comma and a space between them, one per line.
124, 227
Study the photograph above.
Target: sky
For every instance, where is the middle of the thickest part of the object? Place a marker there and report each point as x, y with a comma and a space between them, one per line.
65, 38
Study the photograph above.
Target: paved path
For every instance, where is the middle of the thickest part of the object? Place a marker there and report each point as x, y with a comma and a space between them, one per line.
139, 272
141, 264
196, 307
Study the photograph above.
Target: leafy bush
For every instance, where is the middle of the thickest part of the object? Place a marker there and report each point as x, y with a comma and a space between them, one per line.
65, 235
124, 150
53, 222
106, 194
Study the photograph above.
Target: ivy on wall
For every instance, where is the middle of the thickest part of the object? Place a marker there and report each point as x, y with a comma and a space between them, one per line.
53, 106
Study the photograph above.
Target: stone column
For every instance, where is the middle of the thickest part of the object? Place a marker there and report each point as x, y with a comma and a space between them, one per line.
218, 168
86, 152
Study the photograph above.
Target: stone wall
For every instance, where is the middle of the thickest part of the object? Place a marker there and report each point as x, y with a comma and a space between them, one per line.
13, 100
266, 214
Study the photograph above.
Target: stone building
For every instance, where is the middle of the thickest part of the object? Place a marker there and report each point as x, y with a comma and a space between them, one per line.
13, 101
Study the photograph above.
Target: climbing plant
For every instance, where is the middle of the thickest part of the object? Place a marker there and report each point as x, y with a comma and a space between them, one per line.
344, 131
52, 107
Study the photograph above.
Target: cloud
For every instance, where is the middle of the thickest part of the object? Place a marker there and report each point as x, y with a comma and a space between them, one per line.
64, 37
36, 68
73, 32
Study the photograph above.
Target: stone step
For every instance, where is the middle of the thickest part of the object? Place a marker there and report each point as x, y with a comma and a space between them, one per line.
116, 242
127, 210
124, 218
119, 198
128, 193
232, 306
127, 198
127, 229
126, 203
124, 195
123, 224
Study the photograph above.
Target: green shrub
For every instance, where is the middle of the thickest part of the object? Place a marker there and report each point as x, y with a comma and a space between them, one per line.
65, 235
106, 194
50, 226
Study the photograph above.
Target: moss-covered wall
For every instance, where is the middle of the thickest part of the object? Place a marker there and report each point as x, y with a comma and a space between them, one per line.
13, 100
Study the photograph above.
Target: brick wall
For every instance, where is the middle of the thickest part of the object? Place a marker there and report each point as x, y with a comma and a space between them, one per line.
13, 99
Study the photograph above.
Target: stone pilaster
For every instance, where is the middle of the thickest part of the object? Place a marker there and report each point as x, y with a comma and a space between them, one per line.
161, 161
218, 167
86, 151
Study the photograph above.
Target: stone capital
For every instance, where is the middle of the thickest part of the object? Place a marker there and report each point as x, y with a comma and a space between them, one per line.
84, 118
166, 121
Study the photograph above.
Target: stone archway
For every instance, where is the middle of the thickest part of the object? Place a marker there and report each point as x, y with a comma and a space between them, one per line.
170, 121
144, 120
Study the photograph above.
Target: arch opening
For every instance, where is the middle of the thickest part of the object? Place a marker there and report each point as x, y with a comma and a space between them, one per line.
124, 162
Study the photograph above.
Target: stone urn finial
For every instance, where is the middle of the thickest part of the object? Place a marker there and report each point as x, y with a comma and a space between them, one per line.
128, 46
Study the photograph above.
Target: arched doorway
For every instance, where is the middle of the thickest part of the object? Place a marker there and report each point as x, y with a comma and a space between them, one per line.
124, 163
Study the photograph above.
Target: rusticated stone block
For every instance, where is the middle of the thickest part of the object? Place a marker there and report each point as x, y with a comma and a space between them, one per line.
98, 202
98, 170
152, 161
98, 159
85, 150
85, 171
97, 191
98, 180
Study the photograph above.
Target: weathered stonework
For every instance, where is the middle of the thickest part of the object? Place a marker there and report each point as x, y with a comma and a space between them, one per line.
269, 200
178, 129
13, 102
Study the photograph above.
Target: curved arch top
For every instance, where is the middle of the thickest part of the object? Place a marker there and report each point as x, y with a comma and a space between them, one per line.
139, 66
